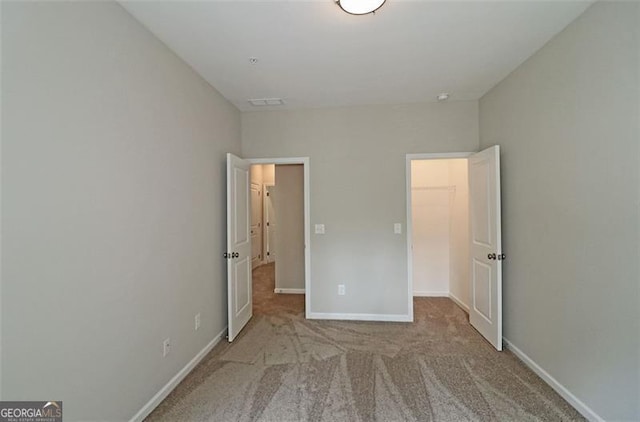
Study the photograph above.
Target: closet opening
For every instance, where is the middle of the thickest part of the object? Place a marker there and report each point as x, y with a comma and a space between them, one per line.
438, 232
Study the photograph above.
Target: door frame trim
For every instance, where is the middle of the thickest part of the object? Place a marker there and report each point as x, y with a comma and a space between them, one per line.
307, 218
409, 159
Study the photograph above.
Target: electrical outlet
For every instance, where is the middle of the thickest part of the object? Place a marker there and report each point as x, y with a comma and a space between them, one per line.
166, 346
197, 318
341, 290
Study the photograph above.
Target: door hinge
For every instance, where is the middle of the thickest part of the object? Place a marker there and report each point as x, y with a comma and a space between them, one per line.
267, 224
268, 194
268, 253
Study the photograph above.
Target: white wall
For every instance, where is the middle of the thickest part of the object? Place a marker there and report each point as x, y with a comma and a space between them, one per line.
357, 171
288, 202
567, 121
269, 174
113, 208
255, 174
431, 196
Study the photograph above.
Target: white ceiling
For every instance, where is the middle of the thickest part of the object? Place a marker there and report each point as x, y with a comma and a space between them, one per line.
311, 54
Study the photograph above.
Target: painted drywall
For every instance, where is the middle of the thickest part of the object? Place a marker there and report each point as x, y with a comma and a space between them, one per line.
431, 196
357, 175
113, 208
430, 173
269, 174
459, 261
255, 173
288, 203
567, 123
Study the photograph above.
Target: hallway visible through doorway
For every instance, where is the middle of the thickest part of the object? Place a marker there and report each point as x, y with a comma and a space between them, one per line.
278, 237
266, 301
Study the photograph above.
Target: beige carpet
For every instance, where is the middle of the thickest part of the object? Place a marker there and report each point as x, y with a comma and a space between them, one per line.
285, 368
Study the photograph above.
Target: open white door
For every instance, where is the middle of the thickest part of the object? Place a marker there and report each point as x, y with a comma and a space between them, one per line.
238, 253
485, 312
270, 222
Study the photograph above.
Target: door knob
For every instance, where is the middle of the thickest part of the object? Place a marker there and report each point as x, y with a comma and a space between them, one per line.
491, 256
235, 255
226, 255
502, 257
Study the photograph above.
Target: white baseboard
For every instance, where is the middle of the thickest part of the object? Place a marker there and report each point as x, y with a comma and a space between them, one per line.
429, 293
173, 382
289, 291
360, 317
585, 410
459, 302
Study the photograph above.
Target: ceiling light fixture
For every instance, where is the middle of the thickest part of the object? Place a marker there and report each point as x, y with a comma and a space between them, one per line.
360, 7
443, 97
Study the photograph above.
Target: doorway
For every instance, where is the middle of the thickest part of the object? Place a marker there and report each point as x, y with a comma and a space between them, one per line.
279, 221
239, 252
440, 229
434, 187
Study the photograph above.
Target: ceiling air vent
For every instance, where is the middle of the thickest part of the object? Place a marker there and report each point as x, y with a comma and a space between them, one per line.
259, 102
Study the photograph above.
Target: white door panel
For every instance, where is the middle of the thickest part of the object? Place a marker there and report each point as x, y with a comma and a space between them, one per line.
238, 245
256, 225
270, 221
242, 290
485, 312
482, 289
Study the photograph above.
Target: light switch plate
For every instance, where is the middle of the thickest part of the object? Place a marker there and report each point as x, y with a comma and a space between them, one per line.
397, 228
319, 228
